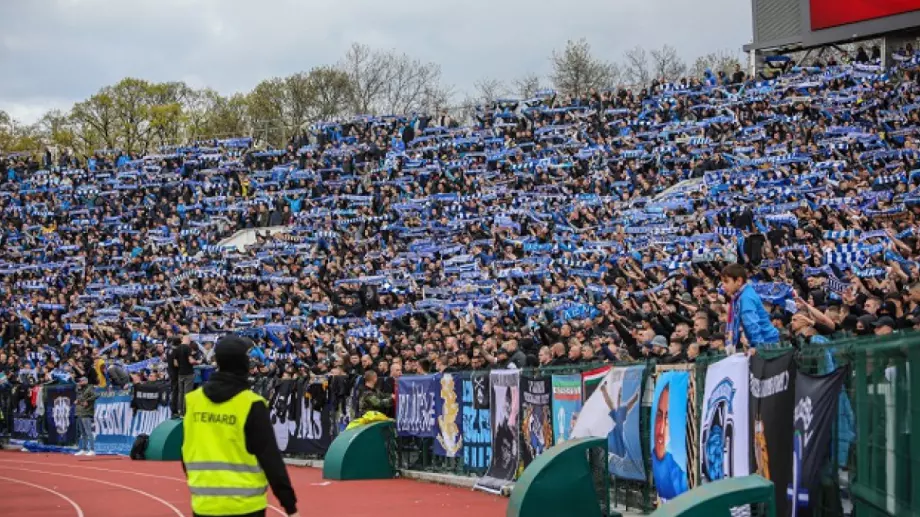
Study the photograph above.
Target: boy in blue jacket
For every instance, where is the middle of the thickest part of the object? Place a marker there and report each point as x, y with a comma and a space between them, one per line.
746, 313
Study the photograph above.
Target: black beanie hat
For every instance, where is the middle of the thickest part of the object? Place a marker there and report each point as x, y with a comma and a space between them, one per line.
232, 354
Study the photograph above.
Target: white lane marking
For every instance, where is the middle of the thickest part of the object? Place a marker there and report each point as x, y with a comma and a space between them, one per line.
116, 485
46, 489
155, 476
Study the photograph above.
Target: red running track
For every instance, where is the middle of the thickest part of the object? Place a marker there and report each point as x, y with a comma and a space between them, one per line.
57, 485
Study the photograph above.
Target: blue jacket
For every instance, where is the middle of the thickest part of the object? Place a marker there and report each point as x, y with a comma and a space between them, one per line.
748, 314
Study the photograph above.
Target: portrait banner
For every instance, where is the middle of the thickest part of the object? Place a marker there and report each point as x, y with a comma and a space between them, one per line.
477, 431
566, 405
725, 427
505, 415
536, 418
416, 396
669, 434
449, 442
772, 387
816, 400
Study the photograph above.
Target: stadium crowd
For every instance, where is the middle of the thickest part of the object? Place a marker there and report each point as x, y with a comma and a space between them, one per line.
549, 231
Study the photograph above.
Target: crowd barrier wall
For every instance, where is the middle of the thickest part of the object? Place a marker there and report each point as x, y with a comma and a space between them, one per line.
444, 422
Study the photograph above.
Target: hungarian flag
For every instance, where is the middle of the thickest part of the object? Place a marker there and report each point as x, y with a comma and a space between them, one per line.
590, 380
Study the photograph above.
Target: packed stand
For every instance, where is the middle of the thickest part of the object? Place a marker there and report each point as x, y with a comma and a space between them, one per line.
552, 231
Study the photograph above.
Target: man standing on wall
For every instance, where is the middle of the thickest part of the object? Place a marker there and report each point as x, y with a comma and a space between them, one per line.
172, 368
185, 363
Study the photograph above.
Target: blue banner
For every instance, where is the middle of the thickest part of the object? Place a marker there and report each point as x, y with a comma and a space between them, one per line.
415, 406
624, 440
449, 442
477, 431
59, 414
566, 405
117, 423
669, 434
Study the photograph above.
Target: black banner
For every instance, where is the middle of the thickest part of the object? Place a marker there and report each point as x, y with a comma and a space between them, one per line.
536, 417
148, 396
302, 417
772, 402
815, 412
59, 414
505, 415
481, 391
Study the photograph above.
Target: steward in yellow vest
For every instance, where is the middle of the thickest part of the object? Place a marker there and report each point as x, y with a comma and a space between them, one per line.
229, 451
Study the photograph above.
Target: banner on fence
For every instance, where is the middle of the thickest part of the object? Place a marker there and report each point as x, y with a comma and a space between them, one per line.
590, 380
120, 416
504, 404
669, 434
301, 417
815, 411
481, 391
566, 405
59, 414
725, 429
415, 405
536, 418
477, 430
612, 412
449, 442
25, 421
772, 387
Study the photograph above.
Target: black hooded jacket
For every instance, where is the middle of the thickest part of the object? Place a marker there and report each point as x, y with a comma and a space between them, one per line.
260, 437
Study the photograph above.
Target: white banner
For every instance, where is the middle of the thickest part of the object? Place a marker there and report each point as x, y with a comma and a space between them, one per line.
725, 430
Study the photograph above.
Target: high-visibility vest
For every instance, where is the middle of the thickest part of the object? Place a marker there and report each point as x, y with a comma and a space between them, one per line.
223, 477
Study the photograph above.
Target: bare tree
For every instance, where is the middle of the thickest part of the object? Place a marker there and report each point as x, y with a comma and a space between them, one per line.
409, 80
576, 71
527, 86
667, 65
369, 72
636, 71
489, 90
721, 61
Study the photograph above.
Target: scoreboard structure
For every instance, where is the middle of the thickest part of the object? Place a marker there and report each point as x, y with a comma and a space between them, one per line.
787, 25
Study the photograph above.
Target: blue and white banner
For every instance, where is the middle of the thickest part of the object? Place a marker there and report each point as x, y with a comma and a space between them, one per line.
117, 424
477, 431
415, 406
612, 411
725, 430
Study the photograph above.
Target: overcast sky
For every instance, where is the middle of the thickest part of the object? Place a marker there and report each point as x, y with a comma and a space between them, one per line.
56, 52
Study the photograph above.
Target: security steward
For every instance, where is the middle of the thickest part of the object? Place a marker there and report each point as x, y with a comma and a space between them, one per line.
229, 451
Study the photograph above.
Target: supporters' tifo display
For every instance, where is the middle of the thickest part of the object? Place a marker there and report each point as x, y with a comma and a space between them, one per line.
593, 226
549, 231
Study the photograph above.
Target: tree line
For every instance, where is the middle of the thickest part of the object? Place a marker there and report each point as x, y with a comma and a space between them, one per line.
136, 115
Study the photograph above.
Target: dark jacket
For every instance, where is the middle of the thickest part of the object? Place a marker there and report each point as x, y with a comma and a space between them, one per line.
86, 401
260, 437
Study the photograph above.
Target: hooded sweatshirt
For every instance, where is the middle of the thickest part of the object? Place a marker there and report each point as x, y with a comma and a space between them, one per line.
260, 437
